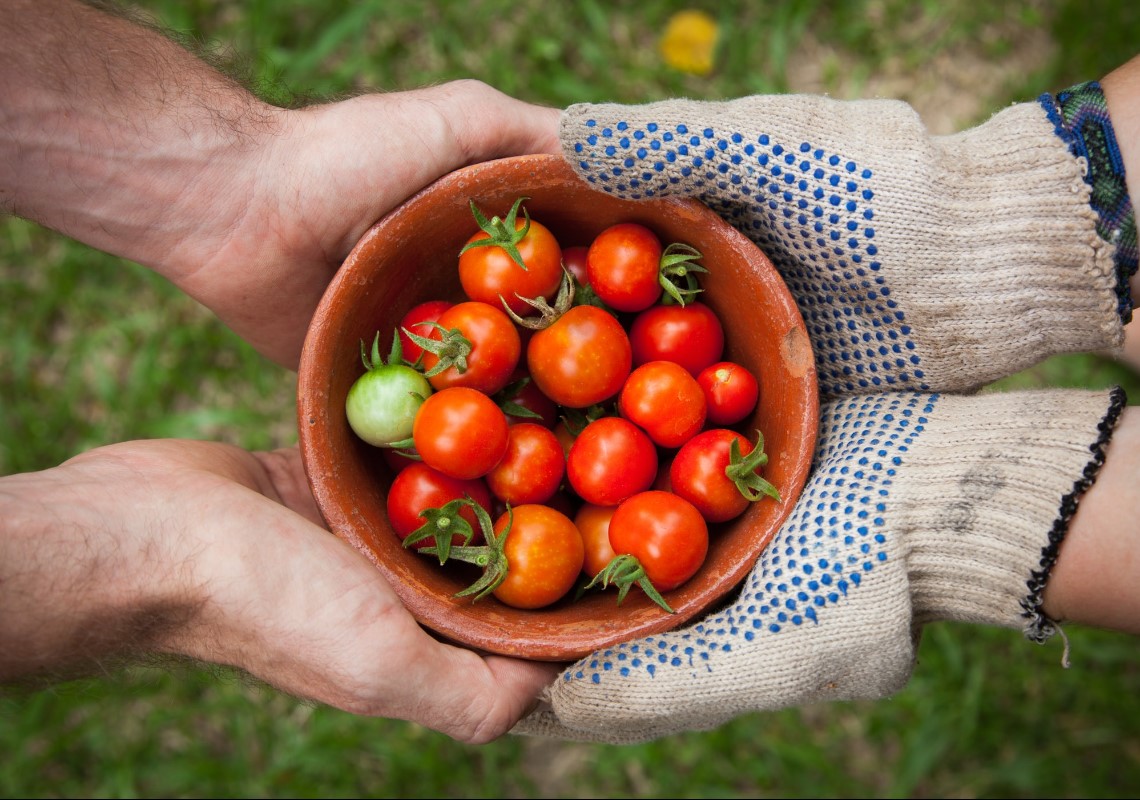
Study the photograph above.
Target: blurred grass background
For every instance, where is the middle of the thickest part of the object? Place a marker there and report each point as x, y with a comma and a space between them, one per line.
95, 350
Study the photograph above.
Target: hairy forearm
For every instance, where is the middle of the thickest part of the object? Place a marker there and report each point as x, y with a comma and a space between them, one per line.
76, 589
117, 136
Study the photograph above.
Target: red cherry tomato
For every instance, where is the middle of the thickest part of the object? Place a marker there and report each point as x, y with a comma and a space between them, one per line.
417, 321
623, 266
698, 474
565, 436
419, 487
665, 401
731, 392
522, 393
574, 259
544, 553
689, 335
488, 273
610, 460
494, 348
398, 460
563, 501
594, 524
581, 359
461, 432
666, 534
532, 468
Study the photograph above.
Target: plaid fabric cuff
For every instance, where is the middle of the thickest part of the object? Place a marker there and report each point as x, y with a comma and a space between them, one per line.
1080, 117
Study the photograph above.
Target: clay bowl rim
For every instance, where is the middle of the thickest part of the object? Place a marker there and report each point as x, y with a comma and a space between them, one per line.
330, 358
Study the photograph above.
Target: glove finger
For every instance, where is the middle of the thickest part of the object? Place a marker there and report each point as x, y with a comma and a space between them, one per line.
918, 262
921, 508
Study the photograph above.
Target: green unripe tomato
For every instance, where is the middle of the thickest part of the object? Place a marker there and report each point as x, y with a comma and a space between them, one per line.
382, 403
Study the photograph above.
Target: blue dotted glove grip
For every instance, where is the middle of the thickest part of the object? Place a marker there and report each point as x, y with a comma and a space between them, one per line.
810, 210
834, 541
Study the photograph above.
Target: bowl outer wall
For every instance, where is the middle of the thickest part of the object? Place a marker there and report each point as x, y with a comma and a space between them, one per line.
411, 256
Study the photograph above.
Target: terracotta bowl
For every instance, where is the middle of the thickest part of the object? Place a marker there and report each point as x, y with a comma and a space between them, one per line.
411, 256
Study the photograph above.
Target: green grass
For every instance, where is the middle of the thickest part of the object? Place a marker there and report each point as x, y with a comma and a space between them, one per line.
95, 350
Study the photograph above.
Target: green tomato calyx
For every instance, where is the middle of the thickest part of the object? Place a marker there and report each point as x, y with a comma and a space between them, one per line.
506, 397
395, 355
576, 419
678, 274
547, 314
624, 571
491, 557
441, 525
741, 470
451, 348
501, 233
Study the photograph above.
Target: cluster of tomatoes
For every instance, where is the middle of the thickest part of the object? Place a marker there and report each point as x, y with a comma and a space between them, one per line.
570, 422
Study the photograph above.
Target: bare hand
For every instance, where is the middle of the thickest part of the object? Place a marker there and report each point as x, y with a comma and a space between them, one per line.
209, 551
334, 171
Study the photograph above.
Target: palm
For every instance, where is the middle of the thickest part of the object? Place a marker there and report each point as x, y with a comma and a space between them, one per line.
335, 171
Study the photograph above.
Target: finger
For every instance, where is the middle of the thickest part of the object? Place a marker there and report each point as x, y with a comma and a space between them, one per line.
469, 697
286, 473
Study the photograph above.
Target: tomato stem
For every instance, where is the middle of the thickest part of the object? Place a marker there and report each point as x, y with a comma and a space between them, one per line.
678, 273
506, 400
395, 355
451, 348
441, 525
576, 419
584, 295
491, 557
501, 232
547, 314
741, 470
623, 571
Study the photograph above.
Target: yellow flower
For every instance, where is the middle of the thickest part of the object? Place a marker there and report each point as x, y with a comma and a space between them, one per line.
689, 42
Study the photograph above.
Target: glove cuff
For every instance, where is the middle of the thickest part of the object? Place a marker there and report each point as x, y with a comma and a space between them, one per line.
1011, 268
992, 488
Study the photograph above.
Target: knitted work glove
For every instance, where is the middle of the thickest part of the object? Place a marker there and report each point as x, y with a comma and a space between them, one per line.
922, 507
925, 264
919, 262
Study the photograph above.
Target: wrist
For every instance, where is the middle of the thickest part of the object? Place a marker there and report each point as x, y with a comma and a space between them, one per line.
1122, 97
1097, 566
209, 191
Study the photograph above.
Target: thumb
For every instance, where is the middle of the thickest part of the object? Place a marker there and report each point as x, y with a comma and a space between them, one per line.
481, 123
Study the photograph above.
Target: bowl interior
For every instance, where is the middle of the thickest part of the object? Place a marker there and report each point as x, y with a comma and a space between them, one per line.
411, 256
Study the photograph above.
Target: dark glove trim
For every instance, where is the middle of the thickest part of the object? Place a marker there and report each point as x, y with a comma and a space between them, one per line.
1080, 117
1039, 627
